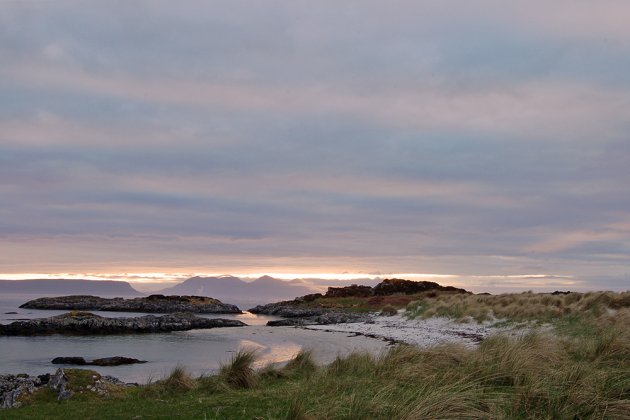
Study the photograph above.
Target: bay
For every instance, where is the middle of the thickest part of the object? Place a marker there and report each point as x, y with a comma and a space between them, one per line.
199, 351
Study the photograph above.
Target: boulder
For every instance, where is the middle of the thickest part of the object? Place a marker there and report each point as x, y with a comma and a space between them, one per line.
59, 383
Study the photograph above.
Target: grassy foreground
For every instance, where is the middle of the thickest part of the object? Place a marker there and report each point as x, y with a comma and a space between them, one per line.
579, 370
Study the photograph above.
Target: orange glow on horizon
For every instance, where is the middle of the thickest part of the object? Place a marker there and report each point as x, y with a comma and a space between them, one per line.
161, 277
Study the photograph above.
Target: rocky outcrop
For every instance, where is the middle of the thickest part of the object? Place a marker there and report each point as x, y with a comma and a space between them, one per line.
312, 310
150, 304
297, 316
349, 291
12, 387
326, 318
85, 323
408, 287
287, 309
105, 361
65, 382
59, 383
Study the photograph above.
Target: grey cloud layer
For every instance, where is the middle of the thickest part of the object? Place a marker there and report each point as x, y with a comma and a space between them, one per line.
481, 139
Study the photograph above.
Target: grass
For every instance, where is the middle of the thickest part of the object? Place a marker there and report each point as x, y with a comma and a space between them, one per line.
240, 373
580, 370
517, 307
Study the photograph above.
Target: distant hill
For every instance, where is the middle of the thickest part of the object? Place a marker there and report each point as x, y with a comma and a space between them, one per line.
324, 284
232, 289
63, 287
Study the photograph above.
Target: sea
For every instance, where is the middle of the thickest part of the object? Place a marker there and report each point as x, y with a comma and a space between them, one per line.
199, 351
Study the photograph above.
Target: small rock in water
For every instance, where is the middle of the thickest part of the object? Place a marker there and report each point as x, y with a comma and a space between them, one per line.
115, 361
104, 361
69, 361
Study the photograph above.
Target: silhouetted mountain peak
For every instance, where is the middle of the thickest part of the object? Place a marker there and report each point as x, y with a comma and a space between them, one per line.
230, 288
268, 280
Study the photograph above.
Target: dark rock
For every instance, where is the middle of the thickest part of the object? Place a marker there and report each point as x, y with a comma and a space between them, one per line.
83, 323
11, 313
12, 387
59, 382
151, 304
326, 318
290, 322
309, 298
349, 291
115, 361
287, 309
558, 292
44, 379
105, 361
341, 318
79, 361
408, 287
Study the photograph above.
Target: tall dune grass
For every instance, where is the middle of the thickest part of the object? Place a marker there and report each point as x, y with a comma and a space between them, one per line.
240, 373
518, 306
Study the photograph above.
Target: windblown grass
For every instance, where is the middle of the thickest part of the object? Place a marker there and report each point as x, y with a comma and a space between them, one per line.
518, 306
179, 380
240, 373
302, 364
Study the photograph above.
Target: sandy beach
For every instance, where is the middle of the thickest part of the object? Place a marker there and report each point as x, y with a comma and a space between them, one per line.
421, 332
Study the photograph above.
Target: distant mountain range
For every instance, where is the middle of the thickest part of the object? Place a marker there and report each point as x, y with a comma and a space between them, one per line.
230, 289
62, 287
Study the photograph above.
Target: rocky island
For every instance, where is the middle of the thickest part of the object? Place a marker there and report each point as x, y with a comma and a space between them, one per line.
150, 304
85, 323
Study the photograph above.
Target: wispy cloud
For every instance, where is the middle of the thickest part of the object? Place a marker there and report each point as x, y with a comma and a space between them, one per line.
481, 140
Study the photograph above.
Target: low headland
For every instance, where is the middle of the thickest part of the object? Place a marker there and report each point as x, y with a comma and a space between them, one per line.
538, 355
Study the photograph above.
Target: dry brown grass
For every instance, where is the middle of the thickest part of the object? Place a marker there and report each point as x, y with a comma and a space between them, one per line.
518, 306
179, 380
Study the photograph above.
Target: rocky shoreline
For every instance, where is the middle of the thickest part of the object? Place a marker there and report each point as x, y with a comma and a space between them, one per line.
312, 310
149, 304
85, 323
65, 383
295, 316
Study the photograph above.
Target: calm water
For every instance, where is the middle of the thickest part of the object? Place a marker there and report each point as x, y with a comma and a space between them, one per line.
201, 351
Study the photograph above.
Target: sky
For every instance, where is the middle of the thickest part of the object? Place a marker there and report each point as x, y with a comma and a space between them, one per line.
486, 143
